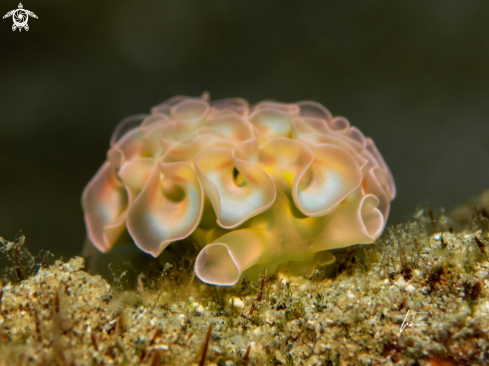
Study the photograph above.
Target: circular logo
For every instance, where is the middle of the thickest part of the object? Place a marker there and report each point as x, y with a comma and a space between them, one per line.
20, 18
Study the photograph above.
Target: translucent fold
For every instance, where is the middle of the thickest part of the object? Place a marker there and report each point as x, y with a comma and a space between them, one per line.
154, 120
151, 137
126, 125
104, 202
390, 186
187, 149
285, 160
236, 188
272, 121
190, 112
233, 127
128, 147
305, 125
357, 138
238, 105
314, 110
173, 132
371, 184
134, 175
167, 105
355, 222
168, 208
319, 138
224, 261
329, 179
339, 124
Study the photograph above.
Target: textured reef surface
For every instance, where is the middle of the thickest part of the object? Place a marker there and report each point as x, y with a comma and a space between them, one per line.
418, 296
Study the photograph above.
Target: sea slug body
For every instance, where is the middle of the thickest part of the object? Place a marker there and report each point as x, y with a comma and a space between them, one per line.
269, 186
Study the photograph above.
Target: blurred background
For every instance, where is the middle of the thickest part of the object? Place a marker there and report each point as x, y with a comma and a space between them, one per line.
413, 75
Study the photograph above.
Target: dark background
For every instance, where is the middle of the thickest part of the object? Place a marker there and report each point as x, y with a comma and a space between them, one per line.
413, 75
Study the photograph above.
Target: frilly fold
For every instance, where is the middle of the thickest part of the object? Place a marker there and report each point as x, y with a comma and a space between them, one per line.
104, 203
168, 208
237, 189
224, 261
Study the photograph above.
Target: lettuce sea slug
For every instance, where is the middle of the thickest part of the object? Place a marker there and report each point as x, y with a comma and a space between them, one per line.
269, 186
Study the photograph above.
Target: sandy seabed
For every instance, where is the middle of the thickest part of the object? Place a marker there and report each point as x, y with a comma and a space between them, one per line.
418, 296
